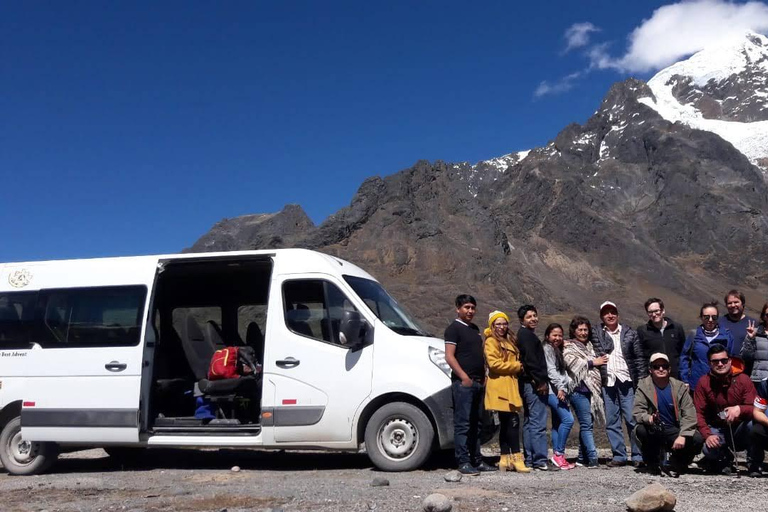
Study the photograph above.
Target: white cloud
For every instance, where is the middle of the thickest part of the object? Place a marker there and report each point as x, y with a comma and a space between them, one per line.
562, 85
677, 30
577, 35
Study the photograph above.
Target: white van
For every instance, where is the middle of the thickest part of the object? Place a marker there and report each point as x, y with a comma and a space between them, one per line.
114, 352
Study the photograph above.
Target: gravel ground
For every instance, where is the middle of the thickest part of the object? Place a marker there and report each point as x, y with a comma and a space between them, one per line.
189, 480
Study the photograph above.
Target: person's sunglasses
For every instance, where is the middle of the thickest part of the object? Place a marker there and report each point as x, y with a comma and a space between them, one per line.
715, 362
660, 366
710, 317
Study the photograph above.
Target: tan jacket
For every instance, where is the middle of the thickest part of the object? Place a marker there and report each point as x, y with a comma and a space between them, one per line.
502, 391
646, 404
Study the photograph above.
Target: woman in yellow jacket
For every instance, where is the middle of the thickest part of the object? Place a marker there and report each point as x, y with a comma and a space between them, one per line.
502, 392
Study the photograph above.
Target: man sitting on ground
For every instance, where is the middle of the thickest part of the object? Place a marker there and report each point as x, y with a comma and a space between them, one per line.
724, 400
666, 419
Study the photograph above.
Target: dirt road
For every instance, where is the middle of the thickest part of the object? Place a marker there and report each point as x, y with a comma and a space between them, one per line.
186, 480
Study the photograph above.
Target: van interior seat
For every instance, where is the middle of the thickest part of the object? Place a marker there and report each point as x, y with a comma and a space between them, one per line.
197, 347
297, 320
199, 350
255, 338
215, 335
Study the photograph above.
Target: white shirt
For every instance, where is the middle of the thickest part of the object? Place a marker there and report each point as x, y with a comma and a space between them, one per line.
617, 365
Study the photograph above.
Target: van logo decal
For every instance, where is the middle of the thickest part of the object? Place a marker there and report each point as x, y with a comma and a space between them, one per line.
20, 278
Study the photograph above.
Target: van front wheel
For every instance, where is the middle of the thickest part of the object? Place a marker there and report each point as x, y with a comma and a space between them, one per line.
399, 437
22, 457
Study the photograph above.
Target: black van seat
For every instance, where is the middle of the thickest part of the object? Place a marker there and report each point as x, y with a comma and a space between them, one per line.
199, 349
297, 320
215, 335
255, 338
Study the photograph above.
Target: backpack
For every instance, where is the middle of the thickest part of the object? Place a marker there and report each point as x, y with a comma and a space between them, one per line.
228, 362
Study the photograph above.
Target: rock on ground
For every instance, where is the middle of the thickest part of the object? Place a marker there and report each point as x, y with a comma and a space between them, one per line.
437, 503
651, 498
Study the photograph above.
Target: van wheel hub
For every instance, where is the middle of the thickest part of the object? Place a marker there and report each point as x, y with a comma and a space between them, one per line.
398, 438
23, 452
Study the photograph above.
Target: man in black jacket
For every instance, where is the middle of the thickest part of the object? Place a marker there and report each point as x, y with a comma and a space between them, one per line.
661, 335
534, 386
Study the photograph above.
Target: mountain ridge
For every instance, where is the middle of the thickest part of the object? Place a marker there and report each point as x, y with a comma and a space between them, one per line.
627, 205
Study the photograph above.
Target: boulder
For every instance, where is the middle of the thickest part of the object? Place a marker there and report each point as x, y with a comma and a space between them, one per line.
651, 498
437, 503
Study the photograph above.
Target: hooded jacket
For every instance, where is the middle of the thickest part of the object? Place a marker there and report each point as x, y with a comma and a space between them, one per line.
713, 394
647, 403
693, 360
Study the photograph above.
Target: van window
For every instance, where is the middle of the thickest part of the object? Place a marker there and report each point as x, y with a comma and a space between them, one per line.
314, 308
17, 314
91, 317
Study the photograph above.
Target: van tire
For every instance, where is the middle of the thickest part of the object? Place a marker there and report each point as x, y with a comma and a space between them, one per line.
21, 457
398, 437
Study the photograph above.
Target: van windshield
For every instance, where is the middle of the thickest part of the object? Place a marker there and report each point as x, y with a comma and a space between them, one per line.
385, 307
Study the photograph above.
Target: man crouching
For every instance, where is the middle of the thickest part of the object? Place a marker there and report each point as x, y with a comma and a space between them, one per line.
666, 419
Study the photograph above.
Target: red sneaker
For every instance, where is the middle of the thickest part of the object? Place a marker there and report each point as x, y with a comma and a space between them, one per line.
558, 460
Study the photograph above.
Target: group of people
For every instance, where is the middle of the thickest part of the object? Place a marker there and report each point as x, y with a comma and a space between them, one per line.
677, 395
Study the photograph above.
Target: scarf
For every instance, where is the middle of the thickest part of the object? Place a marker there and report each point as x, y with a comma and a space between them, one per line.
576, 355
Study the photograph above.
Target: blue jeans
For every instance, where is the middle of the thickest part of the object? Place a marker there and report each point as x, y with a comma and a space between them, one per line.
534, 426
740, 439
583, 408
467, 421
562, 422
619, 400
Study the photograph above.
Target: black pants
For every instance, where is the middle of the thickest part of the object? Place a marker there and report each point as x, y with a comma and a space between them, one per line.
653, 440
509, 432
758, 443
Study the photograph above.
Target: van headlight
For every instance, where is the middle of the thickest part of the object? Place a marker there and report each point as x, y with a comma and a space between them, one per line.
437, 357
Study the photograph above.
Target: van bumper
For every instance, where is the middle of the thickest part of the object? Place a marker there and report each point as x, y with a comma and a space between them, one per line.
441, 406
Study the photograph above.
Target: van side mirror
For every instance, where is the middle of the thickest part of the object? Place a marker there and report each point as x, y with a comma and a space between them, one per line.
354, 330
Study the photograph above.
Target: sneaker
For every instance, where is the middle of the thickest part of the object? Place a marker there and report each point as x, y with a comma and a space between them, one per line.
726, 470
580, 463
754, 472
671, 471
616, 463
638, 463
559, 461
468, 469
484, 467
541, 467
593, 464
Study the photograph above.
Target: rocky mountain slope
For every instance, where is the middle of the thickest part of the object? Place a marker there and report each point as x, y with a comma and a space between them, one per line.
644, 199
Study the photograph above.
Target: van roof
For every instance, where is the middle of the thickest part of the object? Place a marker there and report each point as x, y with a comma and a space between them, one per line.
303, 260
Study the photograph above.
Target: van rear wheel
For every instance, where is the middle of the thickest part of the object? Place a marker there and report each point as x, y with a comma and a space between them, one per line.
399, 437
21, 457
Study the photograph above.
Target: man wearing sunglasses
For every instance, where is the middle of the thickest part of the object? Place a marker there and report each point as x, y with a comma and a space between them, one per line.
724, 400
666, 419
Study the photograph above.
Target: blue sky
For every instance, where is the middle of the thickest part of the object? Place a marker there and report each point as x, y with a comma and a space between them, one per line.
132, 127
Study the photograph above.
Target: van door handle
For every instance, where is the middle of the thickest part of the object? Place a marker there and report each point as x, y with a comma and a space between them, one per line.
288, 362
115, 366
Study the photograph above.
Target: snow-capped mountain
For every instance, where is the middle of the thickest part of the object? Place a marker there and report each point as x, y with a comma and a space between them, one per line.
724, 90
